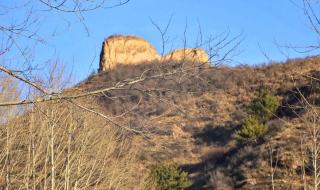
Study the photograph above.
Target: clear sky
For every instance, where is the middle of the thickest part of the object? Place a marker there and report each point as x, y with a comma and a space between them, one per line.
262, 23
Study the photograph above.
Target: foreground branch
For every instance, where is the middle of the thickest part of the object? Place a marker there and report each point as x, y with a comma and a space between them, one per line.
60, 96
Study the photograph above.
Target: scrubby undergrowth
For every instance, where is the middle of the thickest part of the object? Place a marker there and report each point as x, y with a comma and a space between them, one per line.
193, 118
190, 118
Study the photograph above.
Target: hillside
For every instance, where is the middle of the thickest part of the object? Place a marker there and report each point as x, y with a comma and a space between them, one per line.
191, 118
185, 113
180, 101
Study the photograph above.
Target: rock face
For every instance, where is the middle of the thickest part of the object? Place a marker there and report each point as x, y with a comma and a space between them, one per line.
196, 55
119, 49
126, 50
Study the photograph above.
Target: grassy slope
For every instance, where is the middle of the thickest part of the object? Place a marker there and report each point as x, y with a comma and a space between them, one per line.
192, 118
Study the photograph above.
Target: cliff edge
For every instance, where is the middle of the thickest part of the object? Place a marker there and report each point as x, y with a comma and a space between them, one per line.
120, 49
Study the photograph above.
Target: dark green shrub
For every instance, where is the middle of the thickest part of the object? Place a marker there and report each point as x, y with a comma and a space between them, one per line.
251, 130
263, 106
167, 176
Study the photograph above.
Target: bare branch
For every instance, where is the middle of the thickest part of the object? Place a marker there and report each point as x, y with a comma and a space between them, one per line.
9, 72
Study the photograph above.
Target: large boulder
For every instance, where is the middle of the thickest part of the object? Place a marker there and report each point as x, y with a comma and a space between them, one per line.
194, 55
121, 49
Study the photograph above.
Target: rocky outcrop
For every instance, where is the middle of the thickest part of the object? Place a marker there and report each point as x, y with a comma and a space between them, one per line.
119, 49
194, 55
126, 50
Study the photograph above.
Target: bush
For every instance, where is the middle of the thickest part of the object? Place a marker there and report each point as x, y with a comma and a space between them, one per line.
252, 129
220, 181
166, 176
263, 106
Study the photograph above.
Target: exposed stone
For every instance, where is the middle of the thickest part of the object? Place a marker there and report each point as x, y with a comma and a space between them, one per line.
119, 49
126, 50
195, 55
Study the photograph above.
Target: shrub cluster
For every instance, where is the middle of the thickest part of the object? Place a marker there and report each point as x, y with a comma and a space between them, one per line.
263, 106
260, 110
166, 176
252, 129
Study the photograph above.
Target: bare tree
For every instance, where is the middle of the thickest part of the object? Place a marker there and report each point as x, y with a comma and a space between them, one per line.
64, 144
310, 149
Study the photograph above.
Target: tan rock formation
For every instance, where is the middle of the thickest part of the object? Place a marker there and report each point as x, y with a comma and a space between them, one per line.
120, 49
195, 55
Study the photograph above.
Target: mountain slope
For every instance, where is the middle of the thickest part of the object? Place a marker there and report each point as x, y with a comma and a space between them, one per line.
192, 117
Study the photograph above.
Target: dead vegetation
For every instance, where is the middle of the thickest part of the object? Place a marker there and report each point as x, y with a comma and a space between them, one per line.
59, 146
189, 118
192, 119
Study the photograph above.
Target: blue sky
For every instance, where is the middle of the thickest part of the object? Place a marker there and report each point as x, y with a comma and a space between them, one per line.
263, 23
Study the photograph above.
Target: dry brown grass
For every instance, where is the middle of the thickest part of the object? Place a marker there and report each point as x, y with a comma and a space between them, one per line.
208, 105
56, 145
188, 118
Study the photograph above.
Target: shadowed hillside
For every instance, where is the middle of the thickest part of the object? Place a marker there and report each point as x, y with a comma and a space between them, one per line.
216, 127
192, 118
